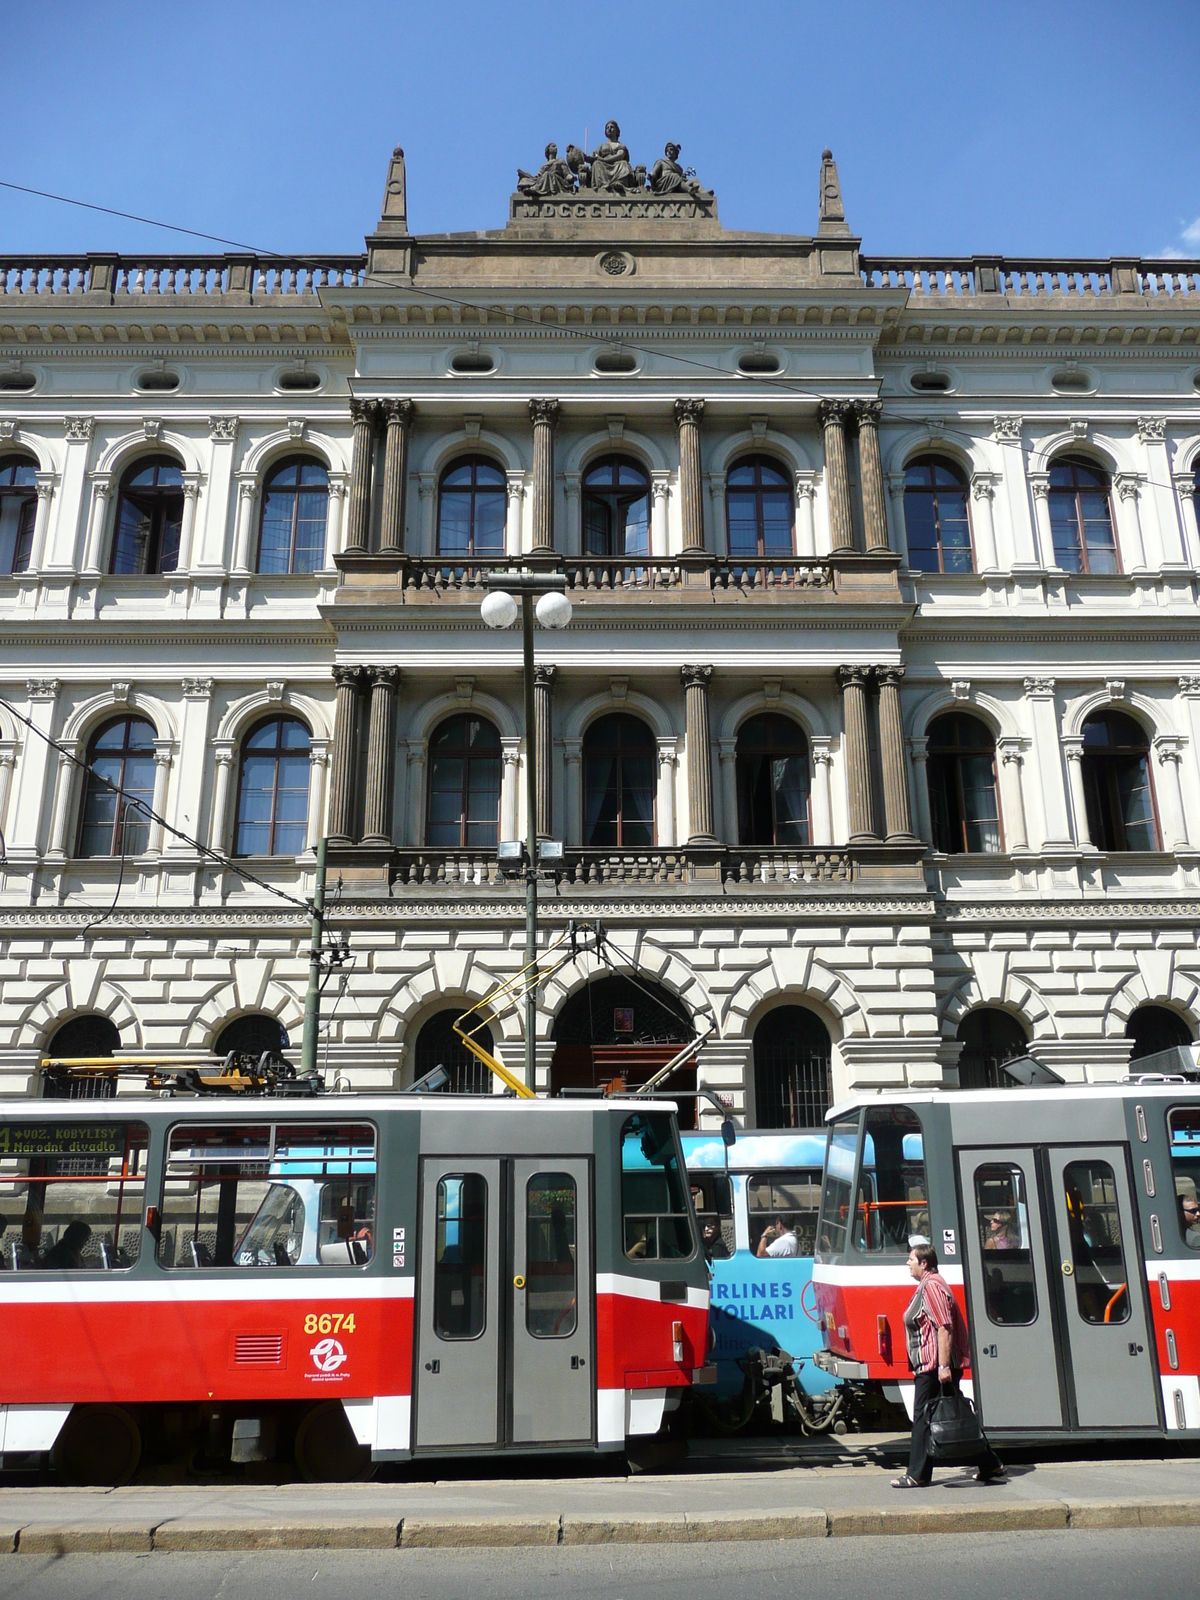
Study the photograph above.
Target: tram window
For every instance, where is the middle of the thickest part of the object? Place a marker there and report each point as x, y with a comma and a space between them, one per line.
1098, 1257
1183, 1124
784, 1202
1002, 1217
712, 1199
658, 1223
835, 1196
460, 1257
892, 1202
71, 1195
260, 1196
550, 1289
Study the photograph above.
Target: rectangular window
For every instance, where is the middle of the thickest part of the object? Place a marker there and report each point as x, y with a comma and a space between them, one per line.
835, 1196
256, 1195
1002, 1219
1097, 1253
71, 1195
783, 1206
658, 1222
551, 1300
712, 1198
460, 1257
893, 1201
1183, 1127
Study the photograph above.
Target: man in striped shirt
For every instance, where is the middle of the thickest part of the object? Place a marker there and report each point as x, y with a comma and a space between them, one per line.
937, 1352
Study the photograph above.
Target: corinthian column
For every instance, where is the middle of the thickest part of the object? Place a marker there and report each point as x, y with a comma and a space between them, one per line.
358, 516
544, 415
699, 755
896, 805
377, 814
853, 683
688, 414
399, 414
841, 525
341, 779
871, 466
543, 689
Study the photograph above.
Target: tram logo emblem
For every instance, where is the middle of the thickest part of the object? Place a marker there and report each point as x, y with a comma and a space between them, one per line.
328, 1355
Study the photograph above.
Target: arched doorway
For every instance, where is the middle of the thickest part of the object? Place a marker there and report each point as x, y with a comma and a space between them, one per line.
252, 1035
990, 1037
82, 1038
1155, 1028
792, 1054
439, 1046
614, 1028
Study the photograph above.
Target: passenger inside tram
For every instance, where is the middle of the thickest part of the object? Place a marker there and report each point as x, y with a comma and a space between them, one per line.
1002, 1221
1183, 1126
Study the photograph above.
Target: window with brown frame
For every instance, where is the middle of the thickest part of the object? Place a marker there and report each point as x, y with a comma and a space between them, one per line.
119, 789
772, 782
618, 782
272, 813
1116, 783
616, 509
472, 502
149, 518
295, 508
936, 519
18, 513
759, 503
1081, 518
464, 784
962, 786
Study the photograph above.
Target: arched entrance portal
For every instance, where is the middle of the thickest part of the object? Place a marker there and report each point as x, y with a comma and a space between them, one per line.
616, 1028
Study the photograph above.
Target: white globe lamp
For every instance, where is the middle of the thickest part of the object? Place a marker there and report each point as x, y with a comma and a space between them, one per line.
553, 610
499, 609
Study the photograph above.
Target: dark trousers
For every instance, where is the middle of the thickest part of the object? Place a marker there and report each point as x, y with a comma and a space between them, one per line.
920, 1462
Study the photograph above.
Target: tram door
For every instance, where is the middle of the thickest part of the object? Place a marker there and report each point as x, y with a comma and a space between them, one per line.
552, 1359
459, 1344
1102, 1277
1016, 1373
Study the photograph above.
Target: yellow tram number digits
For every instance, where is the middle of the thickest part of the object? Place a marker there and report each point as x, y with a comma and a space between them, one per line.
329, 1322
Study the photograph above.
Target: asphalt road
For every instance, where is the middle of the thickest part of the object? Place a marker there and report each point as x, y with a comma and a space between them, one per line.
1133, 1565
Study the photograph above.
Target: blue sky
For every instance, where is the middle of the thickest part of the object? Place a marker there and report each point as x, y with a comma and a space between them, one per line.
1025, 128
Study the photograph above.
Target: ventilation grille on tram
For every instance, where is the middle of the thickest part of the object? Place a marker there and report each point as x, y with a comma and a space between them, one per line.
258, 1349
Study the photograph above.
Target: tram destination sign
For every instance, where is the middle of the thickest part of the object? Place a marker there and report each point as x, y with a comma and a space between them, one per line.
27, 1139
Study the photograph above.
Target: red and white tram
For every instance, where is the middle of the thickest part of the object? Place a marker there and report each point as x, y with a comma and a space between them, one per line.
1065, 1219
352, 1274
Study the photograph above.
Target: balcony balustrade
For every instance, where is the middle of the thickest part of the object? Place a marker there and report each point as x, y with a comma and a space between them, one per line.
116, 277
737, 868
960, 277
588, 577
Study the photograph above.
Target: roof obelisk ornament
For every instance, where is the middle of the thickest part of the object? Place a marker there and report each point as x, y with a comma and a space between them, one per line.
390, 246
839, 247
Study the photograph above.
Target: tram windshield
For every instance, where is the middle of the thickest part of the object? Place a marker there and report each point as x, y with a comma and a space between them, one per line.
1183, 1124
658, 1218
834, 1219
71, 1195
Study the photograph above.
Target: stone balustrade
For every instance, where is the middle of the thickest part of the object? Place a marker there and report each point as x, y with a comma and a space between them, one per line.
735, 867
117, 277
946, 277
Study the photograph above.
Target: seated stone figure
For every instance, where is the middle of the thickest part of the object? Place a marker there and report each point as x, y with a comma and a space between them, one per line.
553, 177
610, 168
668, 177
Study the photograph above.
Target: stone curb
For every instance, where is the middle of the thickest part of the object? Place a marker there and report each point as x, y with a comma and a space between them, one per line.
676, 1527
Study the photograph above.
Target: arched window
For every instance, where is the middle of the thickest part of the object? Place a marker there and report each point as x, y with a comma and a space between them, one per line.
18, 513
149, 517
772, 781
83, 1038
120, 762
295, 505
618, 782
1155, 1028
616, 509
989, 1038
439, 1046
464, 784
758, 509
272, 810
1116, 783
936, 518
792, 1052
471, 507
1081, 518
252, 1035
962, 786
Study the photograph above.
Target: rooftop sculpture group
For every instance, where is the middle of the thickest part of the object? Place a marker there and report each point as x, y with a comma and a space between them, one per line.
607, 170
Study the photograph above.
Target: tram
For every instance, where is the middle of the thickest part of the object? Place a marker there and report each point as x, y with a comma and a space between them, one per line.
756, 1203
1065, 1220
358, 1278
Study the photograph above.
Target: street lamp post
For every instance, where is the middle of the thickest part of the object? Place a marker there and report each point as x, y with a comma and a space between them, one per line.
553, 610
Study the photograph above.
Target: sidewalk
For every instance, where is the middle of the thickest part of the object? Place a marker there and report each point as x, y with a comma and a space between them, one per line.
794, 1502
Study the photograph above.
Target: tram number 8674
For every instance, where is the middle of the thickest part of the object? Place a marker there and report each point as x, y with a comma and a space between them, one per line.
329, 1322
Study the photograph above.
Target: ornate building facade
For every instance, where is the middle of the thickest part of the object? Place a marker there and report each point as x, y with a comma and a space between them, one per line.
872, 742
